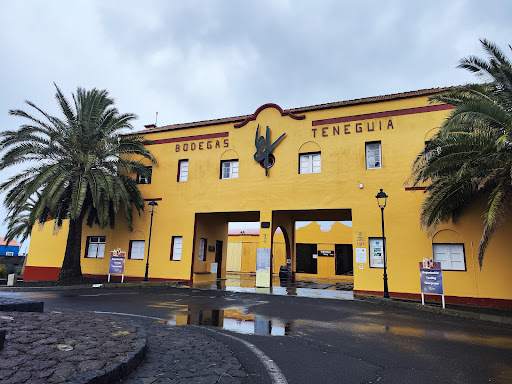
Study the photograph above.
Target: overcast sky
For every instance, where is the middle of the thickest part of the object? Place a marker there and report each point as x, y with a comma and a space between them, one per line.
198, 60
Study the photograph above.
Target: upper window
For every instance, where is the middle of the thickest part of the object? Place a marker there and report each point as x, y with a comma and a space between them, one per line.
229, 169
177, 243
202, 249
429, 154
136, 250
95, 247
373, 155
451, 256
310, 163
142, 179
182, 171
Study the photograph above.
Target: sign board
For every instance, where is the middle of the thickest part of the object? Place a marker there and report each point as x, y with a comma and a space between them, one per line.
116, 266
326, 253
263, 267
361, 255
213, 267
431, 279
360, 239
376, 253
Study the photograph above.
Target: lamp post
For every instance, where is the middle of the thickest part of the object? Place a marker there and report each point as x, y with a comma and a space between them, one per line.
153, 204
381, 201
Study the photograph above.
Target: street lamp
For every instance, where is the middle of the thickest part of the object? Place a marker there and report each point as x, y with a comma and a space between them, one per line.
381, 201
153, 204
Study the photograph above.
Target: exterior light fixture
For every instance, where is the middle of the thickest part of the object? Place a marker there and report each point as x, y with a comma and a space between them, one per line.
381, 201
153, 207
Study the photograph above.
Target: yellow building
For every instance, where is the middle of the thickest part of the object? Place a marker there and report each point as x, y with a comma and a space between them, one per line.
324, 162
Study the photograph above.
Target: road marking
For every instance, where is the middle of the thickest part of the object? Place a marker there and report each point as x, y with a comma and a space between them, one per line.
130, 314
273, 370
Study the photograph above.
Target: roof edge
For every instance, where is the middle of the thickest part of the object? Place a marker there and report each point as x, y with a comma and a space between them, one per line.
317, 107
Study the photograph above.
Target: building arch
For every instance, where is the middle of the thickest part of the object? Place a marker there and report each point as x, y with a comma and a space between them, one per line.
430, 134
229, 154
310, 147
447, 235
137, 235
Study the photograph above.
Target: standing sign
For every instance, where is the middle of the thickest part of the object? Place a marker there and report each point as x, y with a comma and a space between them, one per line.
263, 267
117, 259
431, 279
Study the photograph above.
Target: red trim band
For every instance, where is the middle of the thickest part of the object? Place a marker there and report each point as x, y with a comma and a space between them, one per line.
265, 106
188, 138
117, 278
415, 188
378, 115
155, 199
40, 273
464, 300
33, 273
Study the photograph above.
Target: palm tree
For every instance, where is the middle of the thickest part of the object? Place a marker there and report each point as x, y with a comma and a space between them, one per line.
77, 166
471, 156
19, 225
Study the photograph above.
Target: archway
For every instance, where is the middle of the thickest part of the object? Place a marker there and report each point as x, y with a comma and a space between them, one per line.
282, 257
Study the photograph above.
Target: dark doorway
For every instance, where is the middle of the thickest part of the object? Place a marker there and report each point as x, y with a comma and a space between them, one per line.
218, 258
344, 259
306, 263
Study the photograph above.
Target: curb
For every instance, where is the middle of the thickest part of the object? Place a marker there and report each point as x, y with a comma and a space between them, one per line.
147, 284
438, 310
18, 305
123, 368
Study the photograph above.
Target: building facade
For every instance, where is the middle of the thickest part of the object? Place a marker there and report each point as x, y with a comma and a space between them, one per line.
11, 249
276, 167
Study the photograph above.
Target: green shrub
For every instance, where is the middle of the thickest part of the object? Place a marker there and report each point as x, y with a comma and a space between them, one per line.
3, 271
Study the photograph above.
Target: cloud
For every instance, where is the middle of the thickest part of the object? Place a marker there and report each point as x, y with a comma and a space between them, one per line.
191, 61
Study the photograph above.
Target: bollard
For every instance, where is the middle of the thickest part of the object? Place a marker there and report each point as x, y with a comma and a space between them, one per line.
11, 279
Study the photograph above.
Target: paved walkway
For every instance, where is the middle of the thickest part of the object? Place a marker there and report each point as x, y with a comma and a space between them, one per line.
182, 355
82, 347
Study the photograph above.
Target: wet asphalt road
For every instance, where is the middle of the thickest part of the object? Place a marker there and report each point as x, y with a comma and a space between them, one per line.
319, 340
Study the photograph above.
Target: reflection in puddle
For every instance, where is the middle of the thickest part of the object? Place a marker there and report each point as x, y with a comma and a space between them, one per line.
236, 320
371, 329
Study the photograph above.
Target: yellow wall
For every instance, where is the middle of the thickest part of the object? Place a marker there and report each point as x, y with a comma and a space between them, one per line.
336, 187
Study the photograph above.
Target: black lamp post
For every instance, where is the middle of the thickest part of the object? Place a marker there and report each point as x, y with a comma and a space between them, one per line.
153, 204
381, 200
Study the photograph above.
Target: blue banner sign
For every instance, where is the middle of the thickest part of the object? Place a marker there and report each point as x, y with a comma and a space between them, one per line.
117, 259
431, 280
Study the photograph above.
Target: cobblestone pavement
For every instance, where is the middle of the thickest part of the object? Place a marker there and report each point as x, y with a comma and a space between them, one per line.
68, 347
82, 347
182, 355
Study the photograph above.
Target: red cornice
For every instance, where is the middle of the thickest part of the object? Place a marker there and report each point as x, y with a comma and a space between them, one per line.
378, 115
265, 106
188, 138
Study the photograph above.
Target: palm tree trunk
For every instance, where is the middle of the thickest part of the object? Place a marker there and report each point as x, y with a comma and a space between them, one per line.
71, 264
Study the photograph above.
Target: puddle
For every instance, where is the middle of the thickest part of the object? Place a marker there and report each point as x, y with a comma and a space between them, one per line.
235, 320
